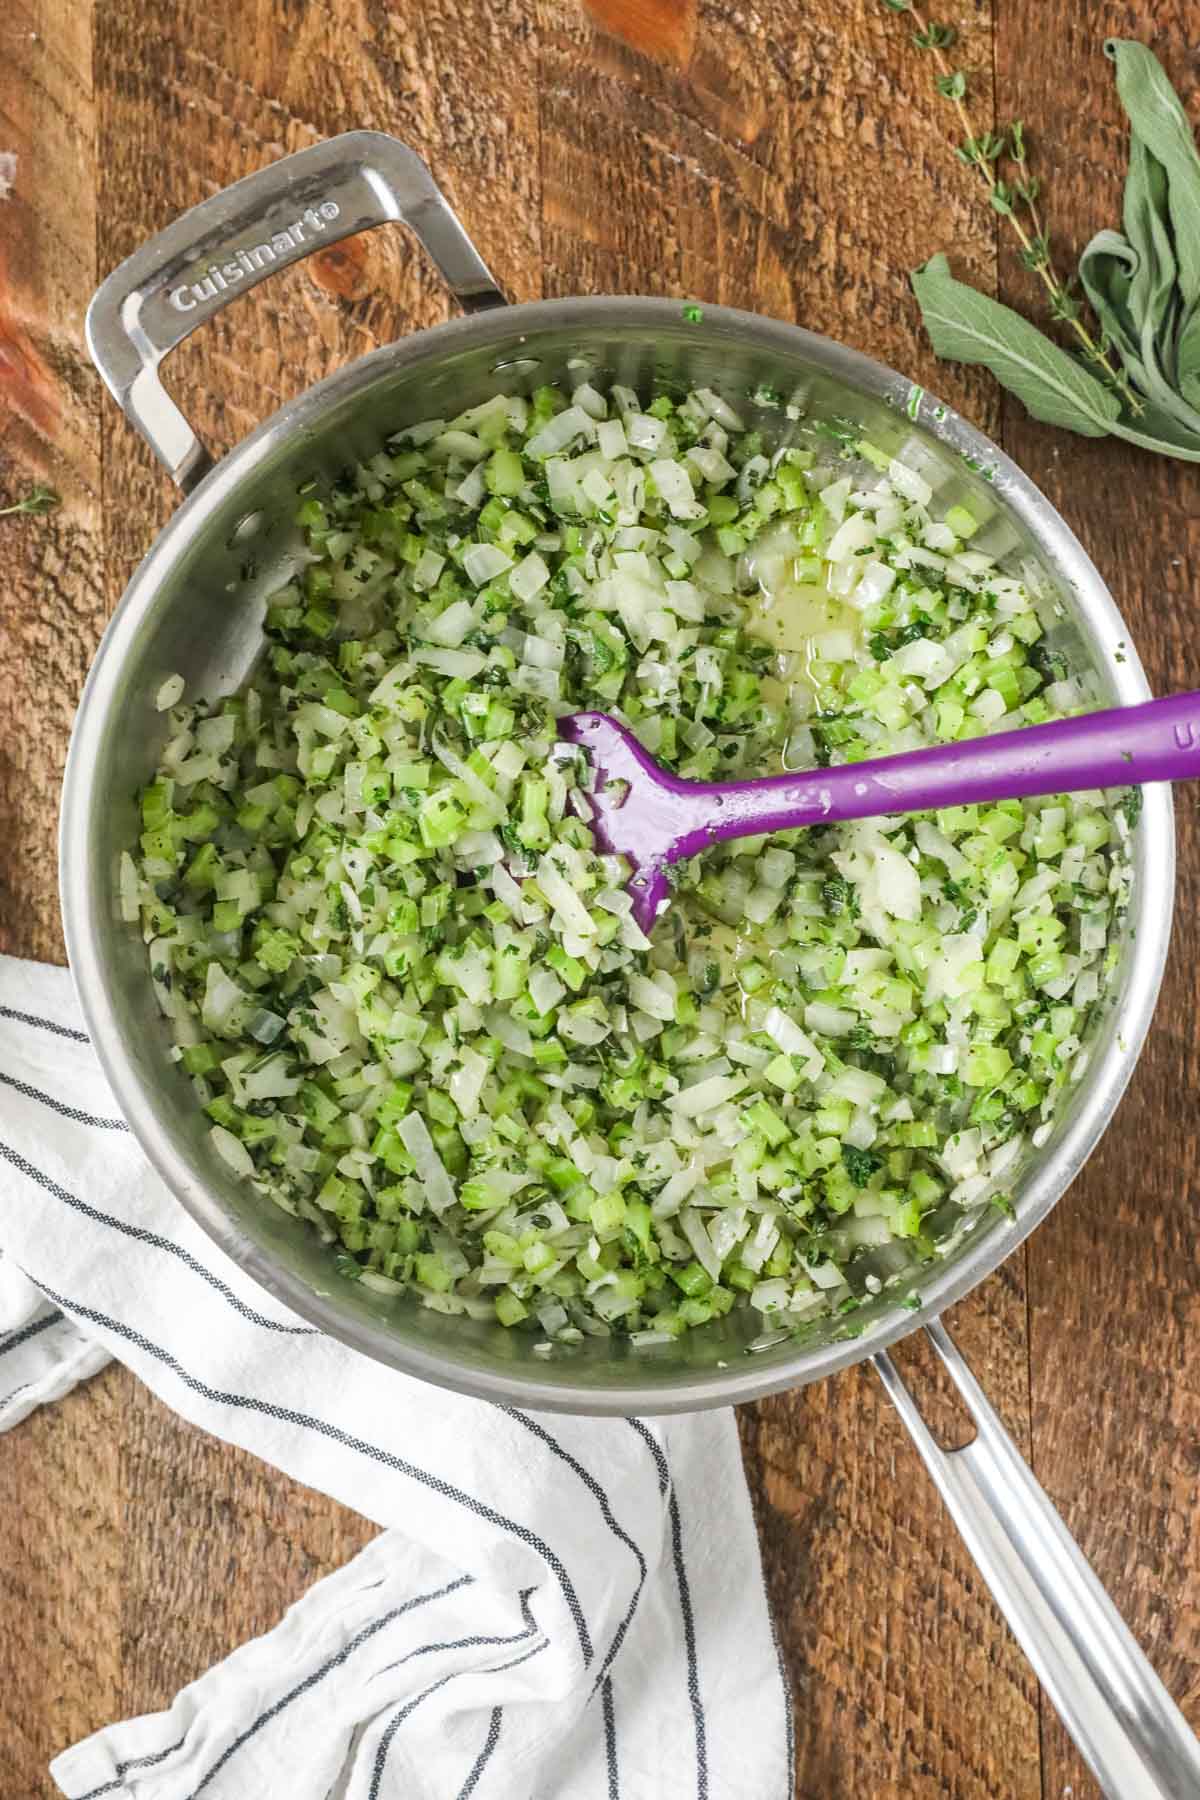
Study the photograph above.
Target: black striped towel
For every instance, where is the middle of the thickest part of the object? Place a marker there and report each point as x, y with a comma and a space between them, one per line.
557, 1608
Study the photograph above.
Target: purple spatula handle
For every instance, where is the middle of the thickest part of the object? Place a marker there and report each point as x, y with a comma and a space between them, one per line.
1159, 741
662, 819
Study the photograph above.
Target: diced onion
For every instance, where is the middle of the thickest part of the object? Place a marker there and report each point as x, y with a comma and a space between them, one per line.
483, 562
401, 965
431, 1170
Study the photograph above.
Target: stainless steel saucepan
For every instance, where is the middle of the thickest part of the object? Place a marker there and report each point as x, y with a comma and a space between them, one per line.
195, 606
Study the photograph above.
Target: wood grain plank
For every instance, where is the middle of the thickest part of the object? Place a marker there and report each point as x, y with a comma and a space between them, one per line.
60, 1583
216, 1544
1114, 1278
50, 610
758, 168
885, 1624
61, 1579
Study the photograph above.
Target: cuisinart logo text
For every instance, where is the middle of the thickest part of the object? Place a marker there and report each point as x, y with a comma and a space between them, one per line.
281, 248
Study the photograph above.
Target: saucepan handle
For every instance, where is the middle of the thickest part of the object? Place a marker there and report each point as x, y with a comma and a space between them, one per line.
1125, 1724
234, 240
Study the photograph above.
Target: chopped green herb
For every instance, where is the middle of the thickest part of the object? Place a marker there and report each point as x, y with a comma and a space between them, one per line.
38, 500
407, 989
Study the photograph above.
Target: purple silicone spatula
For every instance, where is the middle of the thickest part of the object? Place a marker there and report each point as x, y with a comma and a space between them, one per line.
654, 819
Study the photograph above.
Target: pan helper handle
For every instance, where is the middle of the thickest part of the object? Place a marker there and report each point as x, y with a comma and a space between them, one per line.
229, 243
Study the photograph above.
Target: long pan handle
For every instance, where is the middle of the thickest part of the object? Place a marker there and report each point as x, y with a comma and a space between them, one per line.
1127, 1728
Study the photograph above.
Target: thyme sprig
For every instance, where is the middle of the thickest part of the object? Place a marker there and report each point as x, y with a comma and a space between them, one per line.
1015, 200
41, 500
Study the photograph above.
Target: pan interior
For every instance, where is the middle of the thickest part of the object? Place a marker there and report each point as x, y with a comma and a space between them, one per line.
195, 607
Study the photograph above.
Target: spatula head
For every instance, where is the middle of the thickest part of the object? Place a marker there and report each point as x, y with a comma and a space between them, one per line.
637, 808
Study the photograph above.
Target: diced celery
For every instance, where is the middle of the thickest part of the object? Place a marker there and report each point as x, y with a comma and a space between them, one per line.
405, 984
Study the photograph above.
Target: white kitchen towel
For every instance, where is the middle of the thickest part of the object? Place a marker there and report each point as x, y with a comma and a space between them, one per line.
560, 1608
42, 1353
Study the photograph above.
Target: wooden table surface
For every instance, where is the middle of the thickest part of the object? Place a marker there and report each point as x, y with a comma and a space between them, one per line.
784, 157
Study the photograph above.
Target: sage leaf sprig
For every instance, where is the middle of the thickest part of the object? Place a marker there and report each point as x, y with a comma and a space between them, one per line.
1144, 283
1139, 377
969, 327
40, 500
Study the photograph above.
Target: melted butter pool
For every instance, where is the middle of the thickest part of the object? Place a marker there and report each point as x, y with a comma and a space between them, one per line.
804, 624
800, 619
